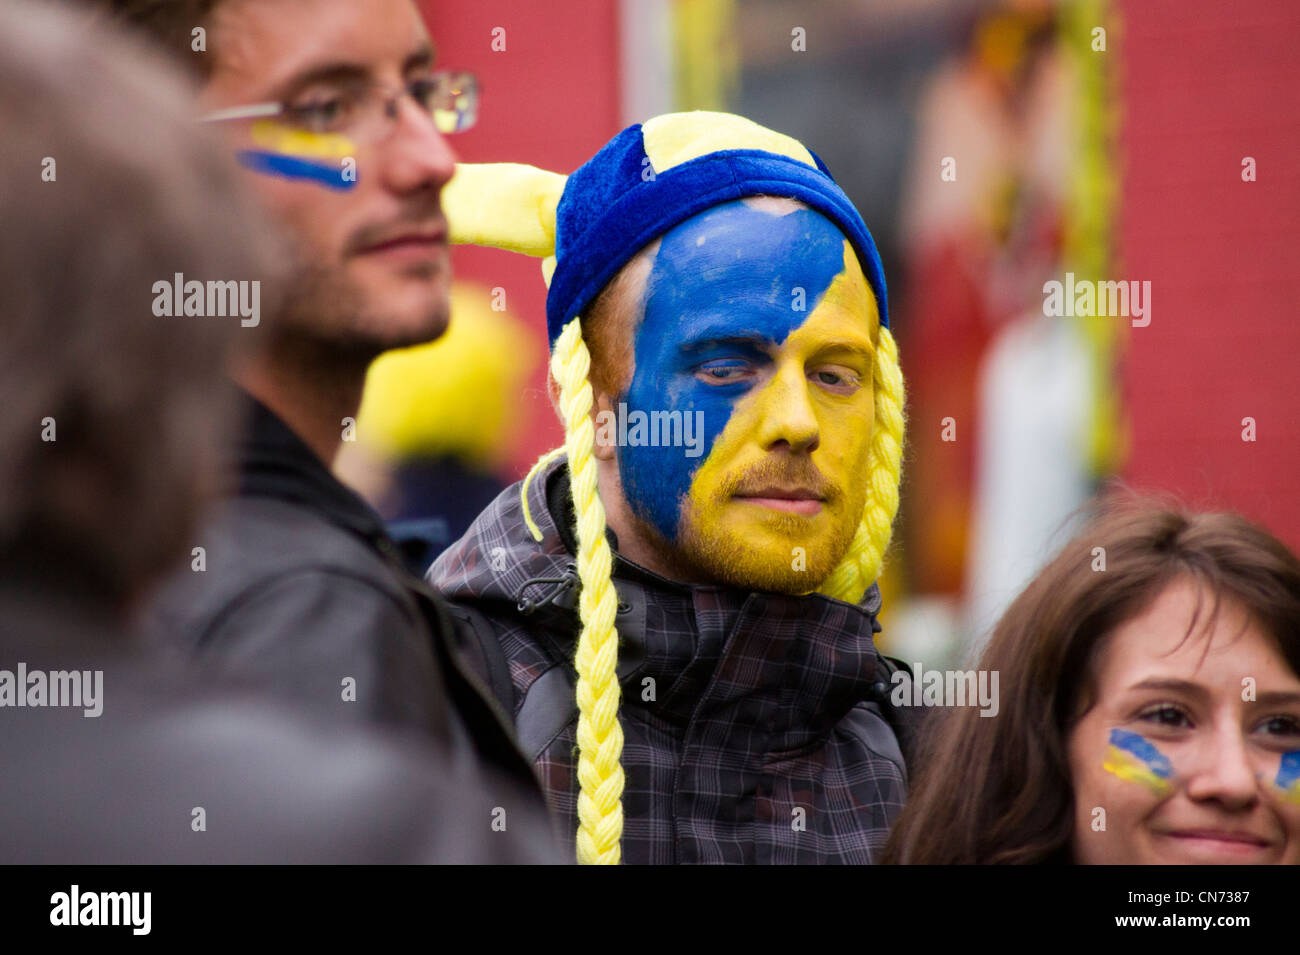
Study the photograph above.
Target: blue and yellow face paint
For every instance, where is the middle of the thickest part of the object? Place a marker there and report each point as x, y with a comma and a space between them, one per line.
1287, 781
1134, 758
764, 322
298, 154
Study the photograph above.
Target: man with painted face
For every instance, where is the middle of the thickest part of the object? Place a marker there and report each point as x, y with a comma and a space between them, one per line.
680, 605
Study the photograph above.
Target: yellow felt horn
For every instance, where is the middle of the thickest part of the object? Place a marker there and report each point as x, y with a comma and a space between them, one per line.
503, 205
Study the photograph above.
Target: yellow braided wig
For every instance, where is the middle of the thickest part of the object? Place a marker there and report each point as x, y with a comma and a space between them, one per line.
600, 737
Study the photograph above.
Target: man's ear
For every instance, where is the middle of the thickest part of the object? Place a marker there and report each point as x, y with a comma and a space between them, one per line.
605, 446
553, 390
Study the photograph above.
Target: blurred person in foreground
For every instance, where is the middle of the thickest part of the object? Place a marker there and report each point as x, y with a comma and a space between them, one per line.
113, 415
1150, 710
336, 110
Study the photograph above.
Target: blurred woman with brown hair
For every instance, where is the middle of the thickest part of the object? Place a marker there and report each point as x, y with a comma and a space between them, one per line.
1150, 708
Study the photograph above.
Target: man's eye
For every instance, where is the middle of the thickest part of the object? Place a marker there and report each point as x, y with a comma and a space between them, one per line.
322, 115
837, 380
722, 374
1166, 715
423, 91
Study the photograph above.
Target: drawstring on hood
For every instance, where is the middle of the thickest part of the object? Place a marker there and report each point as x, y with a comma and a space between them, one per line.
565, 595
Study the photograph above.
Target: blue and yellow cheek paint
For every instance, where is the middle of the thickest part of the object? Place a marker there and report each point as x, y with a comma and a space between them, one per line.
1134, 758
1287, 781
723, 289
298, 154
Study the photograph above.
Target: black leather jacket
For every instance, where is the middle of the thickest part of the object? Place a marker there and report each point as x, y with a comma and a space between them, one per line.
301, 591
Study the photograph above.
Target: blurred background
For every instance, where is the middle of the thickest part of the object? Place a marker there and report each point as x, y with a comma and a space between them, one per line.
991, 147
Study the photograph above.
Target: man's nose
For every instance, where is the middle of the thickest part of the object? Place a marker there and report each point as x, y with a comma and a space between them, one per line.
416, 156
1224, 771
787, 419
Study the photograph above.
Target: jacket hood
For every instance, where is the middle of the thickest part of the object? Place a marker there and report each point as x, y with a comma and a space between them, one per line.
500, 563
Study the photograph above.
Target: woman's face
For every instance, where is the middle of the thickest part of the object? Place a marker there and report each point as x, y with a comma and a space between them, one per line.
1191, 753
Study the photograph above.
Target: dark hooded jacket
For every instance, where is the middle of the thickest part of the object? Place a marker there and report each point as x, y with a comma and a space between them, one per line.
753, 723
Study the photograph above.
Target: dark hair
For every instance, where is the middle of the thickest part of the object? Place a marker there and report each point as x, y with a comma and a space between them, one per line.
169, 26
998, 790
134, 402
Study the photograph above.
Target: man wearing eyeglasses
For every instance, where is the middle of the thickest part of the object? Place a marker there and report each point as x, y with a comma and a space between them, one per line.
337, 111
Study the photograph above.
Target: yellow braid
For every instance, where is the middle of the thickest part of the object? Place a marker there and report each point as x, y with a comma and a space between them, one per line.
861, 565
600, 737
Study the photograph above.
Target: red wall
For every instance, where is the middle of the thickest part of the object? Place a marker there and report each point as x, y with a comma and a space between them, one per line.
550, 99
1204, 84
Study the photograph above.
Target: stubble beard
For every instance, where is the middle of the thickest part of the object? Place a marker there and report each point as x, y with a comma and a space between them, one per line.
704, 556
328, 312
736, 563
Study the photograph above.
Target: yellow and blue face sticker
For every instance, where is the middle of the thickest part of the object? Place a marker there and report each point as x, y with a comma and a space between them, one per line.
726, 288
1134, 758
298, 154
1287, 780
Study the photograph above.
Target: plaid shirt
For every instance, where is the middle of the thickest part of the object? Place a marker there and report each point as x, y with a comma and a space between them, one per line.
751, 727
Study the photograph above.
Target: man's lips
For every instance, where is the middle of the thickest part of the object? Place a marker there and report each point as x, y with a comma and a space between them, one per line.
791, 500
424, 241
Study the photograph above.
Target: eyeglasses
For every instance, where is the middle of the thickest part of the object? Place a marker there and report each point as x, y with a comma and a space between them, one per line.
366, 112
